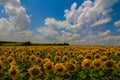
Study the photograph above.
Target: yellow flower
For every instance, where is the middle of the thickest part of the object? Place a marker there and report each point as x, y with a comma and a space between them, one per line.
57, 58
46, 60
97, 56
9, 59
1, 67
109, 64
86, 63
73, 61
104, 58
2, 58
13, 72
59, 68
35, 71
80, 57
39, 60
97, 63
70, 67
65, 58
32, 58
48, 66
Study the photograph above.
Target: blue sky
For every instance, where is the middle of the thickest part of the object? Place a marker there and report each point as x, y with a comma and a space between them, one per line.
80, 22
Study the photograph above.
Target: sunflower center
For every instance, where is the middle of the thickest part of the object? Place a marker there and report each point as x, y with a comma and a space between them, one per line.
13, 72
35, 72
109, 64
60, 69
49, 67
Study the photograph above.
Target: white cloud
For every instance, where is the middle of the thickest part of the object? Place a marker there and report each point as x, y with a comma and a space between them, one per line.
100, 22
117, 23
17, 14
106, 33
15, 26
80, 26
76, 29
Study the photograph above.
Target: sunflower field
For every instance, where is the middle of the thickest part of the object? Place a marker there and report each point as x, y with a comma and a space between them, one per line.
59, 63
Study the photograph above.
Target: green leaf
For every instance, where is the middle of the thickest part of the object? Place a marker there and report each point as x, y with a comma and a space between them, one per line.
100, 73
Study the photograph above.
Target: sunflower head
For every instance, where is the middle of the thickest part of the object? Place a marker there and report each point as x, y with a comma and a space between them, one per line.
65, 53
80, 57
97, 56
88, 56
2, 58
9, 59
104, 58
70, 67
48, 66
35, 71
73, 61
59, 68
57, 58
32, 58
65, 58
46, 60
109, 64
39, 60
86, 63
117, 54
97, 63
13, 72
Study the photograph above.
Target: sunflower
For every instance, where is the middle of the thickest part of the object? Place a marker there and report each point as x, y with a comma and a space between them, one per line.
86, 63
57, 58
39, 60
35, 71
48, 66
73, 61
88, 56
97, 56
21, 57
37, 53
117, 54
97, 63
59, 68
71, 53
57, 54
1, 67
65, 58
9, 59
13, 72
80, 57
70, 67
46, 60
2, 58
12, 63
32, 58
109, 64
104, 58
27, 57
65, 53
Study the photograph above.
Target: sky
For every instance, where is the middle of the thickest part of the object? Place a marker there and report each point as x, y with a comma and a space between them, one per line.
78, 22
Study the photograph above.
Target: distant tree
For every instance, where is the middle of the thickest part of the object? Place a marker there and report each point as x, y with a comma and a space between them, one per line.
0, 43
66, 43
26, 43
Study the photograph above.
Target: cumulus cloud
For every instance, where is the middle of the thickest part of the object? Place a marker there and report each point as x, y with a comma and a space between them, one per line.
13, 27
100, 22
117, 23
81, 24
17, 14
